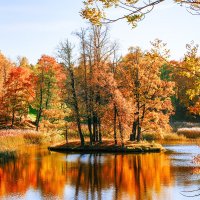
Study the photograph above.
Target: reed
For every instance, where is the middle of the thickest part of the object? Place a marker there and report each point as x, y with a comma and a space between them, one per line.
164, 136
193, 132
10, 140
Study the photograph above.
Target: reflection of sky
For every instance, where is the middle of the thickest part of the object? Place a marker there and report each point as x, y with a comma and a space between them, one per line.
183, 155
174, 193
31, 194
69, 194
84, 158
72, 157
182, 168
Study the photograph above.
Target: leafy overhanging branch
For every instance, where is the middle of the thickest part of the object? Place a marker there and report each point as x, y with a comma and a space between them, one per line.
133, 11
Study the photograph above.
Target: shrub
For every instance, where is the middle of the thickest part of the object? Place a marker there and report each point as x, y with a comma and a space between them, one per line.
34, 138
150, 137
174, 136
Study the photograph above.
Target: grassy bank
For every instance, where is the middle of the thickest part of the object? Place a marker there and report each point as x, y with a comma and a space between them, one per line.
11, 140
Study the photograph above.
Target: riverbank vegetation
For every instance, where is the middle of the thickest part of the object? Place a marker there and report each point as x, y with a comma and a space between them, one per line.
99, 94
11, 140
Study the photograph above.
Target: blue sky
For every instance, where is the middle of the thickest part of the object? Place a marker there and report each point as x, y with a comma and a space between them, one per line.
34, 27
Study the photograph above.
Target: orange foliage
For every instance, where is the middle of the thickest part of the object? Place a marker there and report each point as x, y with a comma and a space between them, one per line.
49, 93
19, 92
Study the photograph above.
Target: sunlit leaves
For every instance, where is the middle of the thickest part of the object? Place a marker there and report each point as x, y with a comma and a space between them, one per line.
19, 92
133, 19
142, 72
97, 11
187, 78
93, 14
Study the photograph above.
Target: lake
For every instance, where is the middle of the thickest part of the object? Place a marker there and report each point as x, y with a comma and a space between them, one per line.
40, 174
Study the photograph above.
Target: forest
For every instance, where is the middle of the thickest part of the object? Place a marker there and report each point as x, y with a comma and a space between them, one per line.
94, 92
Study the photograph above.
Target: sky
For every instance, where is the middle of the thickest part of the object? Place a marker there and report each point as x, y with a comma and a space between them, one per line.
36, 27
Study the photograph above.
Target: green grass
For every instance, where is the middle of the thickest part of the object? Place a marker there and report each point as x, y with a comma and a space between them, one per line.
32, 113
32, 117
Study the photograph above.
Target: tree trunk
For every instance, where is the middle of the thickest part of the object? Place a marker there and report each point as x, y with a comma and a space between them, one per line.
90, 129
120, 129
48, 95
76, 108
39, 113
94, 128
13, 118
121, 133
137, 94
88, 110
115, 124
100, 135
134, 131
65, 54
66, 133
37, 122
139, 137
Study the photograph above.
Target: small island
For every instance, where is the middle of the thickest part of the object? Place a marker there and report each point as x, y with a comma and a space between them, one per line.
109, 147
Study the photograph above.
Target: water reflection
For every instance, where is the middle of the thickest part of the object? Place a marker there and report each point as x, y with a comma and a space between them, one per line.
41, 174
129, 176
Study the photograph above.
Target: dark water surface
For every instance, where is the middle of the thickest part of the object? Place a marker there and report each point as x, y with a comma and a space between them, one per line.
40, 174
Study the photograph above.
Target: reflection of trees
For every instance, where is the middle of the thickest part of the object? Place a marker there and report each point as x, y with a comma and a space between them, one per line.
89, 177
14, 176
126, 176
138, 176
36, 169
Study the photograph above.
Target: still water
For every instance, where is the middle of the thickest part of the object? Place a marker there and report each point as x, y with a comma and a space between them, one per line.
40, 174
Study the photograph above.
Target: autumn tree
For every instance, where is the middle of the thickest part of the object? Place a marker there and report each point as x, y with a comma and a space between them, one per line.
187, 71
149, 93
46, 86
5, 67
117, 110
19, 92
95, 52
66, 56
86, 76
